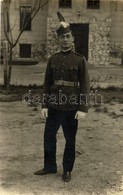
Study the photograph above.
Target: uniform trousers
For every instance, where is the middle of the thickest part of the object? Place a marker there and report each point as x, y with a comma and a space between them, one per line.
69, 125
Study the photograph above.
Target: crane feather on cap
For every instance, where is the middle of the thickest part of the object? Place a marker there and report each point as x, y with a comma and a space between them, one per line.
62, 20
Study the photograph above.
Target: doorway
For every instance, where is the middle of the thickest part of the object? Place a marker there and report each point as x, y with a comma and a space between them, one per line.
81, 34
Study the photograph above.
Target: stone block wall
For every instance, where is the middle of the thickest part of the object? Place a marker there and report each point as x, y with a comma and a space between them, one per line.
99, 41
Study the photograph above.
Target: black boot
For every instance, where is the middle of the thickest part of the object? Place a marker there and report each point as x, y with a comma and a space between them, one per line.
66, 176
44, 172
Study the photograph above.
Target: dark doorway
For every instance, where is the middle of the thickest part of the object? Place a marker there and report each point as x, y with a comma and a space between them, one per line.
81, 33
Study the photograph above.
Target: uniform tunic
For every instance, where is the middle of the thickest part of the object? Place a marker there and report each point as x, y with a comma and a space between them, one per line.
66, 66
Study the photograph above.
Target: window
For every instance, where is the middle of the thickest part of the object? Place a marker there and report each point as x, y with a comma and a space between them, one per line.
93, 4
25, 50
65, 3
25, 14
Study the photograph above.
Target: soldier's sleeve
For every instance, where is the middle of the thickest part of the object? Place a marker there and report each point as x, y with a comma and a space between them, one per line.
84, 85
48, 81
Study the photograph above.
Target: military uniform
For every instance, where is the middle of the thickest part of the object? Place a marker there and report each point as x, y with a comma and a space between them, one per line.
66, 73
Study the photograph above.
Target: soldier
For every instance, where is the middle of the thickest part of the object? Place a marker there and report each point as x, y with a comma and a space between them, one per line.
66, 88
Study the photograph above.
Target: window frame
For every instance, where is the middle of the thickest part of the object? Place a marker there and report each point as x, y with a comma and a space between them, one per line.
27, 11
65, 6
91, 4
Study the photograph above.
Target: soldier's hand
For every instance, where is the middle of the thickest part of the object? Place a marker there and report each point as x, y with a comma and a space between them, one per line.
80, 115
44, 112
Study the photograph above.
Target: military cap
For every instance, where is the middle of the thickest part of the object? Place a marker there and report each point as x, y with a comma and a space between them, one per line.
64, 26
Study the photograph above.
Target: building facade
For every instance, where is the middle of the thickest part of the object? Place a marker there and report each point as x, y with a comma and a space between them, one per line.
33, 38
97, 26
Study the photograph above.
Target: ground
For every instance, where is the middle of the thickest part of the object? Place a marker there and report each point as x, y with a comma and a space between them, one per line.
99, 152
98, 167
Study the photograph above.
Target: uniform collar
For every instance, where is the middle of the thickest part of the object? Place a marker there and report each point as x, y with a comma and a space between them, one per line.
66, 51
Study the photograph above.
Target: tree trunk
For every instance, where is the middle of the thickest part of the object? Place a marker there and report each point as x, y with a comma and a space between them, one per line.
5, 78
10, 68
5, 62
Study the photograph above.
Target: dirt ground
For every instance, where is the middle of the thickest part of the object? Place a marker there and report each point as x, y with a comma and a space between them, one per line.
98, 167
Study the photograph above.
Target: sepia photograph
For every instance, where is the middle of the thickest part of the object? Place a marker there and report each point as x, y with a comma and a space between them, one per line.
61, 97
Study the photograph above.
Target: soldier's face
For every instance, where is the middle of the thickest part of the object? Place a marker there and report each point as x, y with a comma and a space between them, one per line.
66, 40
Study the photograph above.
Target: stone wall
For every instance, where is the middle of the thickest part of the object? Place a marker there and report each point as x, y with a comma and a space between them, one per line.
99, 41
52, 42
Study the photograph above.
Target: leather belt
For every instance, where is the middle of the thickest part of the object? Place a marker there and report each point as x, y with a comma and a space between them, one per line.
66, 83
